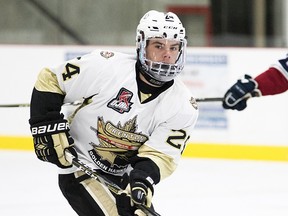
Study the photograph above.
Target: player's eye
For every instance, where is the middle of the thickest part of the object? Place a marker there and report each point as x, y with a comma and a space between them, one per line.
159, 46
174, 48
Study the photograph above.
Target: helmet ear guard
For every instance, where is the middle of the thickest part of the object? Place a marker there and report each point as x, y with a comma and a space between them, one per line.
156, 24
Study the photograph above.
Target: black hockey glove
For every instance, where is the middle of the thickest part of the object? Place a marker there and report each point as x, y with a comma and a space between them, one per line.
141, 187
51, 138
236, 97
139, 191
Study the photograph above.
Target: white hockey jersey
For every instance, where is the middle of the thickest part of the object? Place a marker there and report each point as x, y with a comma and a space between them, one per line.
114, 122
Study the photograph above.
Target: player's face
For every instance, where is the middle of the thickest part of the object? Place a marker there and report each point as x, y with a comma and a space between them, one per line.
162, 50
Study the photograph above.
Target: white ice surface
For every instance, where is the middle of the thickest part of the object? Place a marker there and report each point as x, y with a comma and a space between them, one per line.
199, 187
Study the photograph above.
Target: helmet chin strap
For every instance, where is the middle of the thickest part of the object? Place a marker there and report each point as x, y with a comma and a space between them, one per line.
149, 79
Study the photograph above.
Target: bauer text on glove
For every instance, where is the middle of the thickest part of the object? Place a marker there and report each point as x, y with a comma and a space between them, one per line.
51, 139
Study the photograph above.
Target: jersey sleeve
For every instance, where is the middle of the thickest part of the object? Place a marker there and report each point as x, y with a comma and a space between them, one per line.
282, 66
275, 79
76, 77
67, 82
168, 140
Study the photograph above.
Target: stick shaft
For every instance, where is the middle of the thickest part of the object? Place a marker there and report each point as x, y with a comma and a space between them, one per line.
76, 103
212, 99
14, 105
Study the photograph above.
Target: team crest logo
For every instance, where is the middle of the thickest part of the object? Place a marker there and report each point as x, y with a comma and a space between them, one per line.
115, 144
122, 102
106, 54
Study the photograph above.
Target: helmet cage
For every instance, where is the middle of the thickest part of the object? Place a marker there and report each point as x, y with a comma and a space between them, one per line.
161, 71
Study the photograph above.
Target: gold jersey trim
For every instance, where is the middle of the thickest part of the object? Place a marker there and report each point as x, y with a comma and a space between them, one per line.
47, 82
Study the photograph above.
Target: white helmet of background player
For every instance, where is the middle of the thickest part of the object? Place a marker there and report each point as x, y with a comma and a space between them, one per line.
158, 25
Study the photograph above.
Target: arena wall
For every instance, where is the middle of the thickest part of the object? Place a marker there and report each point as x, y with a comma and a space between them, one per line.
257, 133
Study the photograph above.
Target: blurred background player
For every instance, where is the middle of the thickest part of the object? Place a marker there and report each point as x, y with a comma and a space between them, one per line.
272, 81
132, 126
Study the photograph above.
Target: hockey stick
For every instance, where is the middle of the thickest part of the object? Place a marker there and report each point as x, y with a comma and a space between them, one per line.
212, 99
14, 105
103, 180
76, 103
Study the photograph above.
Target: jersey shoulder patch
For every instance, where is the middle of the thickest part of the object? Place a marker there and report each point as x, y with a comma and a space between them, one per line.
107, 54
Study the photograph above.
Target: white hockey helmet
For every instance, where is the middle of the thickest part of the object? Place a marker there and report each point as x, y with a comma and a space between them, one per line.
156, 24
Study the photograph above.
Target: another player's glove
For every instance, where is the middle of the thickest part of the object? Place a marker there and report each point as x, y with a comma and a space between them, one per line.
236, 97
51, 138
140, 191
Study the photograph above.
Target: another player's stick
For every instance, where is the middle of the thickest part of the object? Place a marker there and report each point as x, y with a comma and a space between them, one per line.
76, 103
13, 105
102, 179
212, 99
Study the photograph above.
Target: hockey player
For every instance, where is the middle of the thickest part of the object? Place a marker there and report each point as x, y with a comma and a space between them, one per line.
272, 81
132, 126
